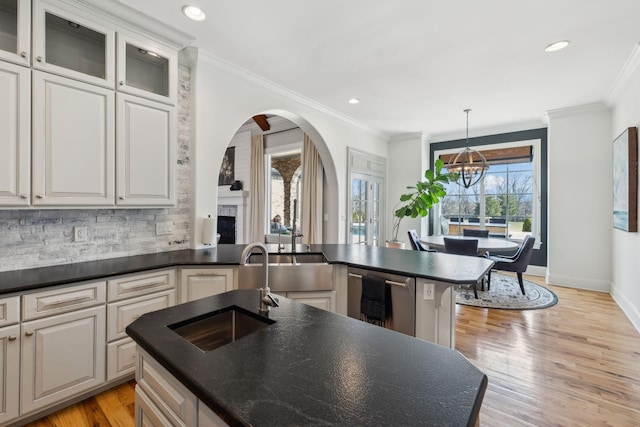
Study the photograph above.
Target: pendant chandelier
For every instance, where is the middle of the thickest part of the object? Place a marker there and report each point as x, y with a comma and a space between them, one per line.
470, 165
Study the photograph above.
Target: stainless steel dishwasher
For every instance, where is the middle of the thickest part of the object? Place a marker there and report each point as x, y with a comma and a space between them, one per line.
403, 299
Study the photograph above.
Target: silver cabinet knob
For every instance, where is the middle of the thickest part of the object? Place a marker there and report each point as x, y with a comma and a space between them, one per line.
39, 196
121, 198
12, 338
23, 54
39, 59
28, 333
24, 196
121, 83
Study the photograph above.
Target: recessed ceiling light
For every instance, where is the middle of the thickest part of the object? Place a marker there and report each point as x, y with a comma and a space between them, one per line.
354, 101
194, 12
553, 47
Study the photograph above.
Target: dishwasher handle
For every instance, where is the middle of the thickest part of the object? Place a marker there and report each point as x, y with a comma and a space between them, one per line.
388, 282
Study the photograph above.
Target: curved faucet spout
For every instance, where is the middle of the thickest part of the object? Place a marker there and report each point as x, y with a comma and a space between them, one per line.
266, 299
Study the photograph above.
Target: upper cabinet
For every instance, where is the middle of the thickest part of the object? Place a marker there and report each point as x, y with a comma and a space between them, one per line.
70, 45
147, 69
15, 137
15, 31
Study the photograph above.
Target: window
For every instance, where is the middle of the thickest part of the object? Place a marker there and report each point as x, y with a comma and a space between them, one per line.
506, 202
284, 185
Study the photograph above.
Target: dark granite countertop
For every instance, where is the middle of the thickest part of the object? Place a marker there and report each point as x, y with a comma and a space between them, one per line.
429, 265
312, 367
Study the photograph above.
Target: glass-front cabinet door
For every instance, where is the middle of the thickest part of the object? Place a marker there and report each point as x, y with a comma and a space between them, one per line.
72, 46
15, 31
147, 69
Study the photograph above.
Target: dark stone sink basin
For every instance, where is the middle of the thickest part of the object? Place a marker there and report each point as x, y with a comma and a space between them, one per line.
219, 328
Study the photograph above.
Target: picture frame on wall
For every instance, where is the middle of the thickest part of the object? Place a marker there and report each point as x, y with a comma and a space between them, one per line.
625, 180
227, 169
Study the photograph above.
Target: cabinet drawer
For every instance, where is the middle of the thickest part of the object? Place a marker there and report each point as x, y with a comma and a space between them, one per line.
140, 284
62, 300
9, 311
120, 314
121, 358
149, 415
165, 390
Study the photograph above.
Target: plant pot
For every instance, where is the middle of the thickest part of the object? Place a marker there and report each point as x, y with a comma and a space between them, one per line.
397, 244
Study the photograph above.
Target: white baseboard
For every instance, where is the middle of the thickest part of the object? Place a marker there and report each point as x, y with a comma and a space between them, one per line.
627, 308
536, 270
579, 283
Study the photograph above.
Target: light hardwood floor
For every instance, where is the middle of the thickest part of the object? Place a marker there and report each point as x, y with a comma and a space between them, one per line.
574, 364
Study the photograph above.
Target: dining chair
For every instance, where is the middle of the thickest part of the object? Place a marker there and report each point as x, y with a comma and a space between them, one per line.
474, 232
416, 244
463, 247
516, 263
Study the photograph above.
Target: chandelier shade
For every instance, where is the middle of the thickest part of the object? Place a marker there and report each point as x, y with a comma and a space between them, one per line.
470, 165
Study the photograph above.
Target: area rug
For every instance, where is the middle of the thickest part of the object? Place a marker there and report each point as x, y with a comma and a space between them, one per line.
505, 294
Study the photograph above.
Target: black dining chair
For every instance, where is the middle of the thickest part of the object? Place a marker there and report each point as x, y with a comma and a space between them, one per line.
516, 263
416, 244
463, 247
470, 232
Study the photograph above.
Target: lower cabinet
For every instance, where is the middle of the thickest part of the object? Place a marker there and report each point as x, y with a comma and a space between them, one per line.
162, 400
196, 283
62, 355
325, 300
9, 372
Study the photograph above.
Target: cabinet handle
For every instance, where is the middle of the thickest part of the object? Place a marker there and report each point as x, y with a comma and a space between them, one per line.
39, 59
388, 282
39, 196
28, 333
121, 83
121, 197
23, 54
24, 196
12, 338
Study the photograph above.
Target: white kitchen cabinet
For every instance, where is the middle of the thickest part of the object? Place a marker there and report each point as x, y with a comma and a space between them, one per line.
9, 372
15, 31
15, 135
9, 358
61, 356
73, 142
196, 283
147, 69
147, 413
71, 44
130, 296
146, 144
325, 300
121, 313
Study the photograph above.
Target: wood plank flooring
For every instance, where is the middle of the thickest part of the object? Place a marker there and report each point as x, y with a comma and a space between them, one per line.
574, 364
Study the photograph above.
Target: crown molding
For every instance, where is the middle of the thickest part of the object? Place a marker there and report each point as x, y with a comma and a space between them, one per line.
629, 71
596, 107
133, 20
283, 91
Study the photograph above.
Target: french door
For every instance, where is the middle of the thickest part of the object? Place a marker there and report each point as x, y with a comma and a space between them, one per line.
364, 214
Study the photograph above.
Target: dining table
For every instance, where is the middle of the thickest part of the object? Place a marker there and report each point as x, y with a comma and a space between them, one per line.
485, 244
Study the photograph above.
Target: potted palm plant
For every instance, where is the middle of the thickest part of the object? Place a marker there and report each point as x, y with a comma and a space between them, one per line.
424, 195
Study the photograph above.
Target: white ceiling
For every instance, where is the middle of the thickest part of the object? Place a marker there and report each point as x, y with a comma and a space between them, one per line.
416, 65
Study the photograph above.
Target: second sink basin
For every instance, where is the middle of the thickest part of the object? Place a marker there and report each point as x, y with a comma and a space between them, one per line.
220, 328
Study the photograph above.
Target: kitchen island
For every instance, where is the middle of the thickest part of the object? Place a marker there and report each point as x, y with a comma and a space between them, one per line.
312, 367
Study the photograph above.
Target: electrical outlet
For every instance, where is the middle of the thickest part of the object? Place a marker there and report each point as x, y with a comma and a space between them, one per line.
80, 234
429, 291
164, 228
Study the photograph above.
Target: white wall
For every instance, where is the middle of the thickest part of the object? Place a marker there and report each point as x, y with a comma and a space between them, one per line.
225, 97
405, 167
580, 197
626, 246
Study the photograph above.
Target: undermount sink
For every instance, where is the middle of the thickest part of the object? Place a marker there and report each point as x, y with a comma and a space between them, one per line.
222, 327
288, 272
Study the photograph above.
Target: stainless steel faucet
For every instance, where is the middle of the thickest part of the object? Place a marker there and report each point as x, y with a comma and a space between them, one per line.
266, 299
294, 233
